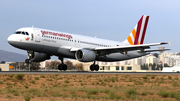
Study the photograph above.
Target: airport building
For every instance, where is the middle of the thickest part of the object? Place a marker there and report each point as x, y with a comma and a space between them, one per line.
4, 67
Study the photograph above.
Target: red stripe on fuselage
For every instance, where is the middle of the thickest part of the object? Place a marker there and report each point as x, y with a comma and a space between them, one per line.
144, 31
138, 31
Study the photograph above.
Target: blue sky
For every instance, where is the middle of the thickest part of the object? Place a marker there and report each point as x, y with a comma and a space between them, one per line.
109, 19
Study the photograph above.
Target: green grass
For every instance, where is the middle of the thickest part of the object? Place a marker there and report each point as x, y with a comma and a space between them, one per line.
175, 84
131, 92
145, 77
42, 76
36, 78
19, 76
66, 81
27, 97
32, 81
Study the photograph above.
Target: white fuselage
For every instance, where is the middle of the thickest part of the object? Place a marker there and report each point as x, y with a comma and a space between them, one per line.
62, 44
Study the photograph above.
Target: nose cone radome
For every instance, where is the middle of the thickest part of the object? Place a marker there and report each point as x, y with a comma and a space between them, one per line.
10, 39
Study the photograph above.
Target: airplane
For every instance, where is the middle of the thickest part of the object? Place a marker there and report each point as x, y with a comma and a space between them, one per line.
41, 44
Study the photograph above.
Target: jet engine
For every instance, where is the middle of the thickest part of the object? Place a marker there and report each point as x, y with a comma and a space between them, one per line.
84, 55
38, 57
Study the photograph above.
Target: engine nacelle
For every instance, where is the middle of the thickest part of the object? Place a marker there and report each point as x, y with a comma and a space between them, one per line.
38, 57
84, 55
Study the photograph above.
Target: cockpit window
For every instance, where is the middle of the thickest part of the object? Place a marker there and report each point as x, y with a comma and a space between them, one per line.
18, 32
24, 33
27, 33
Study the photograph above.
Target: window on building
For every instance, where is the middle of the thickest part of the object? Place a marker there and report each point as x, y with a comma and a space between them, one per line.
108, 67
129, 68
117, 67
103, 67
122, 68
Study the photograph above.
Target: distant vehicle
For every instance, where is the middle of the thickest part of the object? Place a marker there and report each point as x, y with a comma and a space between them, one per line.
171, 69
42, 43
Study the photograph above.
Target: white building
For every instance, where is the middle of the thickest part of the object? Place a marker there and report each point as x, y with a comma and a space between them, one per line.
152, 59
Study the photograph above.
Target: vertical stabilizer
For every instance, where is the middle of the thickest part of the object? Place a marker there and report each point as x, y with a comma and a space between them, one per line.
137, 35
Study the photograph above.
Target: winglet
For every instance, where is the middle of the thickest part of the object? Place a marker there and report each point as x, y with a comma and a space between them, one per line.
170, 43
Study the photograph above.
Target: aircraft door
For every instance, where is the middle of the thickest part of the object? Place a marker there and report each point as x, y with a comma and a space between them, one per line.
37, 35
76, 42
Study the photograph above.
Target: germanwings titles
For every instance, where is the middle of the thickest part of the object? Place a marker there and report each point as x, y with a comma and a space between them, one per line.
40, 44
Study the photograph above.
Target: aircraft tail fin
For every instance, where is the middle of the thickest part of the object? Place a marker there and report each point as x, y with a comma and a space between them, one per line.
137, 35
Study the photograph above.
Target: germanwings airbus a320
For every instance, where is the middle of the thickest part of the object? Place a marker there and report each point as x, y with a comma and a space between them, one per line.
42, 43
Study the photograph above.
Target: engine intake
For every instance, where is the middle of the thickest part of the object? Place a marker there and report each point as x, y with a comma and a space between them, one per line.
84, 55
38, 57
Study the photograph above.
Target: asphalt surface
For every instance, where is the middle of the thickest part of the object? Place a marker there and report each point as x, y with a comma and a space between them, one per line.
86, 72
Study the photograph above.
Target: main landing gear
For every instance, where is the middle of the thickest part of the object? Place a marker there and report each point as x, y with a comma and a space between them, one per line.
62, 66
94, 67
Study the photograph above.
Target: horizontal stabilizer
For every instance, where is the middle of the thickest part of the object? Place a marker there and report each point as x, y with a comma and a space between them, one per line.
154, 50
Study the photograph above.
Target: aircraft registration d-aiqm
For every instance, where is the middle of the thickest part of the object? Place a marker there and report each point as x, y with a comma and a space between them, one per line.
42, 43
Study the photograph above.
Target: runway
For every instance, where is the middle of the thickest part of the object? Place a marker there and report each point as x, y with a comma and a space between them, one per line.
87, 72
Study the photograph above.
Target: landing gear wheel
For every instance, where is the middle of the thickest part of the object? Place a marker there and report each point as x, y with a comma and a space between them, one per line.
92, 67
96, 67
62, 67
27, 61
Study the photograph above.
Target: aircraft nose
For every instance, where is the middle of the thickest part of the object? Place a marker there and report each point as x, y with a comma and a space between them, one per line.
10, 39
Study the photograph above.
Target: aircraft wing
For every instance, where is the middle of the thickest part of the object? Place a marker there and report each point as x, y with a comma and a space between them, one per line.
121, 49
127, 48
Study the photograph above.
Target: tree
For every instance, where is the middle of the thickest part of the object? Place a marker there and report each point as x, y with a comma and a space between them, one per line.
150, 65
154, 66
53, 64
144, 67
3, 62
159, 67
35, 65
69, 65
166, 65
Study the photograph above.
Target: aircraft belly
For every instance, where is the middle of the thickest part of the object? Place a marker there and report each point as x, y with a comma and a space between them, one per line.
52, 50
120, 57
65, 52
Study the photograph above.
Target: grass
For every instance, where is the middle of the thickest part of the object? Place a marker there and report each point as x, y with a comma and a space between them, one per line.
145, 77
175, 84
19, 76
32, 81
92, 91
42, 76
91, 87
66, 81
27, 97
36, 78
